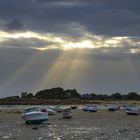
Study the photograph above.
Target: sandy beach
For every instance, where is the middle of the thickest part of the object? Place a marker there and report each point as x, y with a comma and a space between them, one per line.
102, 125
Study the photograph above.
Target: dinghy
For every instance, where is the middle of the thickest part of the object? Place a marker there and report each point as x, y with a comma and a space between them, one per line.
51, 110
59, 109
67, 113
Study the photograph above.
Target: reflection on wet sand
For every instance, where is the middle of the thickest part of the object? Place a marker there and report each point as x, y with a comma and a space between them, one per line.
100, 125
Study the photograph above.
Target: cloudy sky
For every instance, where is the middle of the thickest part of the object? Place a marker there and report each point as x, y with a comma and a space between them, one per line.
90, 45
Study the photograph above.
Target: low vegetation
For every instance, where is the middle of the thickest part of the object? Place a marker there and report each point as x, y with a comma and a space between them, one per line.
60, 96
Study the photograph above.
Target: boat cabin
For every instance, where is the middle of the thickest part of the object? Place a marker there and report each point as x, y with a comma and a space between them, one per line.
32, 109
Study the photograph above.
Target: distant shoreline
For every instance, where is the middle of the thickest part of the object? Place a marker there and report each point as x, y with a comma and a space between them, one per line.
21, 101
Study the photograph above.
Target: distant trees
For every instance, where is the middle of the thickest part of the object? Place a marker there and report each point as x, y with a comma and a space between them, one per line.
57, 93
30, 95
60, 93
133, 95
99, 96
54, 93
13, 97
72, 93
114, 96
26, 95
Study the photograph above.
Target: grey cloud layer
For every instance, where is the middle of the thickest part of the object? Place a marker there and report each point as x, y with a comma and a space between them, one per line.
107, 17
30, 43
106, 68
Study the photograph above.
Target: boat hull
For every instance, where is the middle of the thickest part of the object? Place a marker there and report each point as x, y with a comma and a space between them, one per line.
35, 117
90, 109
51, 112
67, 115
112, 109
74, 107
35, 121
132, 111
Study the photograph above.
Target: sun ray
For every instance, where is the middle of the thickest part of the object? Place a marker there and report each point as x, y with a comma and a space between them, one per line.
66, 66
64, 69
19, 72
53, 71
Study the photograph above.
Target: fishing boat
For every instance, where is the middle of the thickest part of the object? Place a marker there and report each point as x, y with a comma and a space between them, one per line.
67, 113
34, 115
131, 111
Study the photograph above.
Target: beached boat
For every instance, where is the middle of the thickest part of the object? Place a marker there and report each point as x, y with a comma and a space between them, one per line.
131, 111
90, 108
67, 113
34, 115
74, 107
55, 108
85, 108
114, 108
59, 109
51, 110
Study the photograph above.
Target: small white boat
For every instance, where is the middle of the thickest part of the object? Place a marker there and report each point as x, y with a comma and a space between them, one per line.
34, 115
90, 108
51, 110
131, 111
59, 109
67, 113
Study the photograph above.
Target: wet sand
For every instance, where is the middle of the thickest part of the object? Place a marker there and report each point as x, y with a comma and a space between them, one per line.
102, 125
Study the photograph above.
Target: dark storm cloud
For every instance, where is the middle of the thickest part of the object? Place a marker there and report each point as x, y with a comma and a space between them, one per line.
108, 17
15, 24
25, 43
